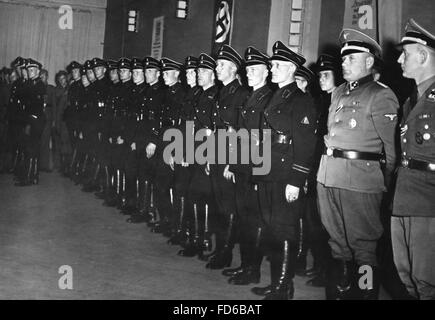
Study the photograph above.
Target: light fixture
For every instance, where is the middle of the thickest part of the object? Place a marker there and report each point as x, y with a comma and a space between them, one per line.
182, 9
132, 20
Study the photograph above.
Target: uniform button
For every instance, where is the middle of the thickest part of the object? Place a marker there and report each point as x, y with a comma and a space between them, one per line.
353, 110
404, 153
405, 141
337, 120
332, 134
426, 126
282, 160
368, 164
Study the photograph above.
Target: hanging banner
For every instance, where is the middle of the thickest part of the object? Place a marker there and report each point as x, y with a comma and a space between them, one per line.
362, 15
157, 39
223, 24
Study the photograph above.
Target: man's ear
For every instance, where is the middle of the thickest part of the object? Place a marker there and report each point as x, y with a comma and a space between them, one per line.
423, 56
370, 62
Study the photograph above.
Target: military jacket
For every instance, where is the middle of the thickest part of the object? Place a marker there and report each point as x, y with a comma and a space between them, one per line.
362, 117
17, 101
251, 117
415, 189
120, 111
292, 114
35, 105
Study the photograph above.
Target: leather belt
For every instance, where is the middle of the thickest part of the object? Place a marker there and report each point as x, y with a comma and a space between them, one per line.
281, 138
353, 155
418, 165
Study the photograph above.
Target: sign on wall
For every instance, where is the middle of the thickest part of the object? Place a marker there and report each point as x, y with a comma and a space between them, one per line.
223, 23
157, 39
362, 15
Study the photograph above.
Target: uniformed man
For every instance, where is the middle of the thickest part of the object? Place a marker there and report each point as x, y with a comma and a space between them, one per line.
413, 222
304, 79
200, 190
361, 131
15, 112
70, 116
232, 96
81, 164
167, 201
148, 132
248, 208
290, 120
316, 236
182, 170
34, 122
118, 146
106, 158
132, 135
97, 124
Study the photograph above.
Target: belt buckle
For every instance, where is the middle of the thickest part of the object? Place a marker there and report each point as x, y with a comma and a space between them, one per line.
405, 163
329, 152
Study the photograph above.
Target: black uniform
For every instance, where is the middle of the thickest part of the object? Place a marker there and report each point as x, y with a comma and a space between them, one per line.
248, 208
170, 118
231, 98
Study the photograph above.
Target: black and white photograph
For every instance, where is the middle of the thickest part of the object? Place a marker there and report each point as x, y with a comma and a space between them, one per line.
217, 154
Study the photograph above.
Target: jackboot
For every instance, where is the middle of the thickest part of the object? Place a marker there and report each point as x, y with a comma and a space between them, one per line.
192, 247
26, 180
251, 273
179, 236
284, 290
224, 256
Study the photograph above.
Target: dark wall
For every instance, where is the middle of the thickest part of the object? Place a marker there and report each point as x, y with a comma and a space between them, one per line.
421, 10
183, 37
331, 24
113, 33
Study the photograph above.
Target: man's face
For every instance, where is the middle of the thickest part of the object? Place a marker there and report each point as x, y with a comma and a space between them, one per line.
170, 77
409, 61
44, 77
91, 75
138, 76
355, 66
302, 83
257, 75
326, 80
205, 77
124, 74
24, 73
99, 72
114, 76
33, 72
76, 74
282, 71
63, 81
85, 80
191, 77
13, 77
152, 75
224, 70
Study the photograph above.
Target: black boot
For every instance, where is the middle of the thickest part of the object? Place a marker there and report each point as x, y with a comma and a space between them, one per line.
15, 162
111, 197
243, 265
142, 214
206, 251
284, 290
26, 180
340, 277
72, 165
251, 273
193, 246
152, 210
301, 260
179, 236
35, 172
224, 256
106, 184
92, 185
